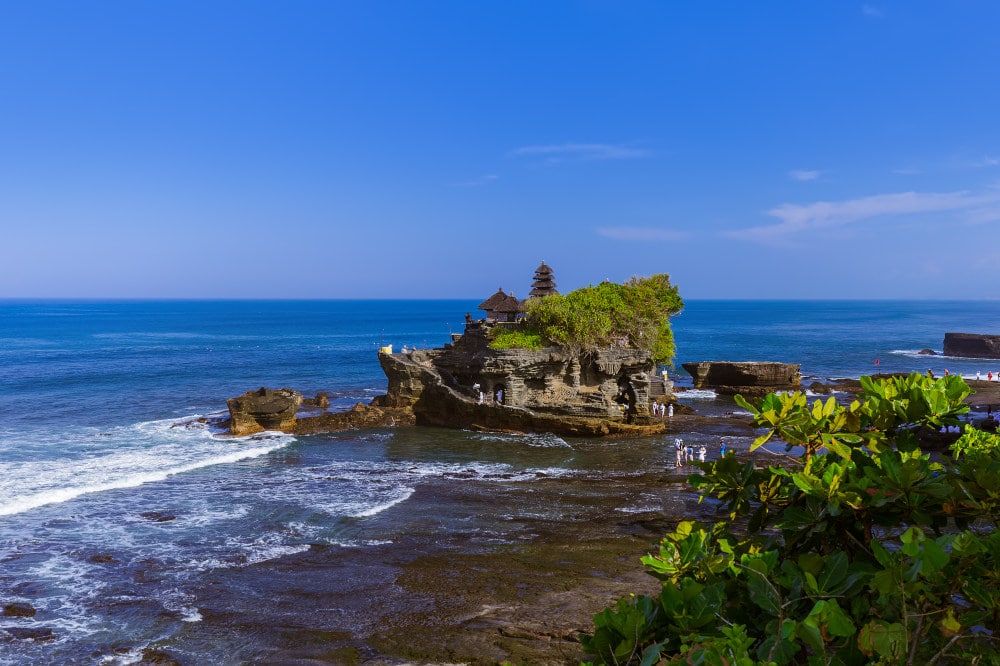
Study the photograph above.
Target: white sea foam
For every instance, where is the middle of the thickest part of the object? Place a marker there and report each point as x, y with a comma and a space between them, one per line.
696, 394
404, 494
123, 458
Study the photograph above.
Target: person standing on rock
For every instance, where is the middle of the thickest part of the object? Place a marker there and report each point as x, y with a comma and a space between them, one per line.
670, 410
679, 446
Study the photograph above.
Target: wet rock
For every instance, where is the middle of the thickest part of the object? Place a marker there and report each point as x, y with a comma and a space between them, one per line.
263, 409
160, 657
30, 633
322, 400
927, 352
18, 609
158, 516
102, 558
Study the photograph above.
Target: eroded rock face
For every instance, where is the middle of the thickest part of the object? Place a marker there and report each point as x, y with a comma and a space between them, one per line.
748, 378
972, 345
469, 385
263, 409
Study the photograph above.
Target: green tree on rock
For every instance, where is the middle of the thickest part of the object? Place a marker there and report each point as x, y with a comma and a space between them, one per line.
864, 549
633, 315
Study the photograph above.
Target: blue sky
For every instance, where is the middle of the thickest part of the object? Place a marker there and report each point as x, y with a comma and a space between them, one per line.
328, 149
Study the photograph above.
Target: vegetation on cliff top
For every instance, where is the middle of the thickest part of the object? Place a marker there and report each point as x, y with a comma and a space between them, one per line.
634, 315
864, 550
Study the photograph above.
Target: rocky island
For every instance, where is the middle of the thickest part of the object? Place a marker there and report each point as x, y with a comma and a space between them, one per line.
594, 384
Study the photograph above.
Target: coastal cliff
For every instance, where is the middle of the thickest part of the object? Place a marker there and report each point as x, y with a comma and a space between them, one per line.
468, 385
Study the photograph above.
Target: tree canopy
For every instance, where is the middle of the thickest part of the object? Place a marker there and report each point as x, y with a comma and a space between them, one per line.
633, 315
862, 549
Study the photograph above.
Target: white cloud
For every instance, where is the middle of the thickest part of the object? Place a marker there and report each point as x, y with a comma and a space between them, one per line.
988, 161
795, 218
489, 178
907, 172
804, 175
581, 151
641, 234
873, 11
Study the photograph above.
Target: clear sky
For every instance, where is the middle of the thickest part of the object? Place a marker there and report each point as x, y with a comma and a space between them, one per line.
369, 149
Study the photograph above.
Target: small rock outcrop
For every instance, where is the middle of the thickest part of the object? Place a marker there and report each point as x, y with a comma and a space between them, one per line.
263, 409
972, 345
748, 378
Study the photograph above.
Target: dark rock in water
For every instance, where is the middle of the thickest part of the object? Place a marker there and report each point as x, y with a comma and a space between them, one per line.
19, 609
927, 352
156, 656
263, 409
820, 388
322, 400
972, 345
102, 558
158, 516
31, 633
748, 378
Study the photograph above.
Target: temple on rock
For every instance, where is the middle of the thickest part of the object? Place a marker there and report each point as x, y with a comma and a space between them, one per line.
502, 307
469, 384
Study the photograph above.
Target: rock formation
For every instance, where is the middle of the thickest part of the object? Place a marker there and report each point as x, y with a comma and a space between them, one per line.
748, 378
972, 345
468, 385
263, 409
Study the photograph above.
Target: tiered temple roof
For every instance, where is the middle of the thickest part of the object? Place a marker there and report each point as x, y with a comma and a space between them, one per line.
544, 284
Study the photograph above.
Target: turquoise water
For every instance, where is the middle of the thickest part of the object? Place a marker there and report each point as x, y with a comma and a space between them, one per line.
120, 514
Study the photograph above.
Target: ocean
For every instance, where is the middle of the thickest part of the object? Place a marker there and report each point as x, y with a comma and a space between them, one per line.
128, 524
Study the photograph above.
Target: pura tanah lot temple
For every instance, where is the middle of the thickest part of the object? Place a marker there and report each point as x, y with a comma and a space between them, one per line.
504, 308
467, 384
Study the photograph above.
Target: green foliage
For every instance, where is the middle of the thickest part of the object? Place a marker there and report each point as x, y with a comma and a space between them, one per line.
634, 315
862, 550
517, 338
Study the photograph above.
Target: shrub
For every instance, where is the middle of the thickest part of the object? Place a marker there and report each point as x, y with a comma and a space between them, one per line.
862, 550
517, 339
634, 315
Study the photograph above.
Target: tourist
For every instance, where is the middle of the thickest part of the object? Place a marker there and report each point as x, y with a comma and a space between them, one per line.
722, 449
670, 410
701, 453
679, 446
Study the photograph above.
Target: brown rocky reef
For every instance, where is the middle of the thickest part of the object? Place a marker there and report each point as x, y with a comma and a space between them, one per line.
750, 378
469, 385
282, 409
263, 409
972, 345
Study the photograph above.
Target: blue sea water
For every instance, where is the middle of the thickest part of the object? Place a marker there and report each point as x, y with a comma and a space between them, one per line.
119, 508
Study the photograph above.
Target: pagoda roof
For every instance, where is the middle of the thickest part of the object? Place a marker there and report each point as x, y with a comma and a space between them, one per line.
494, 300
